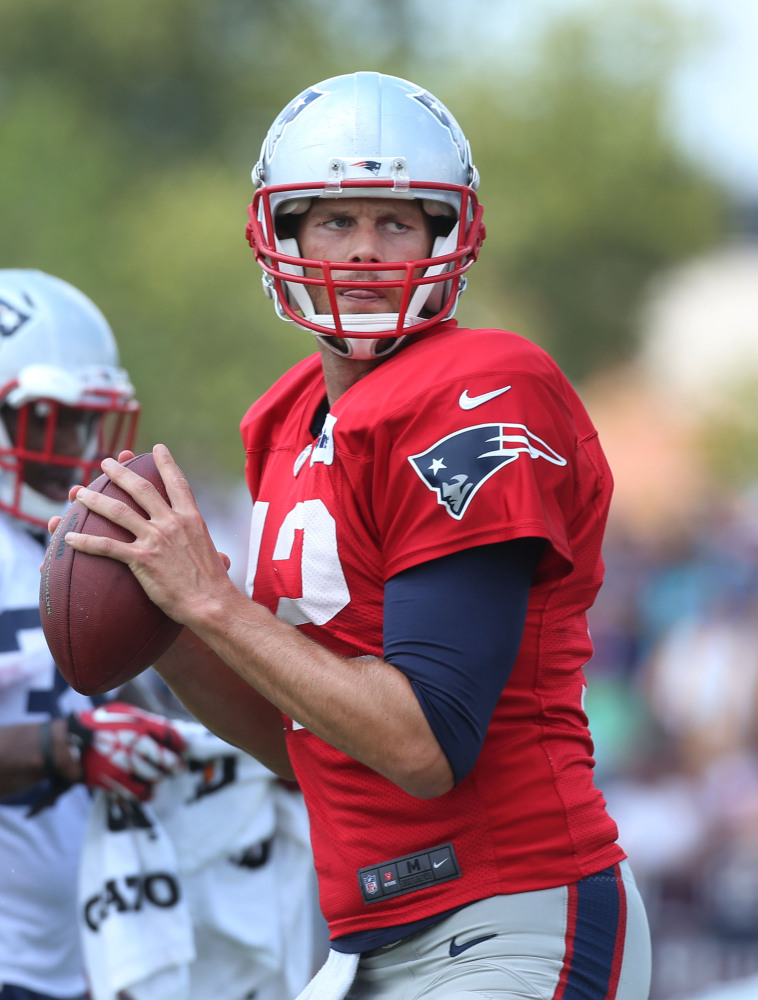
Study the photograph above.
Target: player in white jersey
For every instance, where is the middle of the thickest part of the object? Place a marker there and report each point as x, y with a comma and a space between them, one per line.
64, 404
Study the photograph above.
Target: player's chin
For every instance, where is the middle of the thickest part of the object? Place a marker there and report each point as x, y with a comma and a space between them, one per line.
366, 307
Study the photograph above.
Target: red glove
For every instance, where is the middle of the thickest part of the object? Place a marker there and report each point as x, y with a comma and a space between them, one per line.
125, 750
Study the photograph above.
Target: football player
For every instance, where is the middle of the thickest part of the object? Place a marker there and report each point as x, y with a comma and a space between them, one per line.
64, 404
429, 507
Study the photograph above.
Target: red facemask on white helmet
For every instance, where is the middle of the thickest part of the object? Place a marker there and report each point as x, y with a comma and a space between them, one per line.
59, 366
357, 136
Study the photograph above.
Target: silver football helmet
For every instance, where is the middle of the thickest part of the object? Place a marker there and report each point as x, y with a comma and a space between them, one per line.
64, 401
354, 136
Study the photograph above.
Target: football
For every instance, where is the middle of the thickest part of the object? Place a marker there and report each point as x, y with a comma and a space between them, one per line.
101, 627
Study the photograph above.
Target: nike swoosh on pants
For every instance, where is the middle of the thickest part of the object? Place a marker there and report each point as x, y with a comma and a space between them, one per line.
456, 949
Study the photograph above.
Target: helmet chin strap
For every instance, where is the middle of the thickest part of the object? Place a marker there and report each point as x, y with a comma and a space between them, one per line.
363, 348
433, 295
297, 292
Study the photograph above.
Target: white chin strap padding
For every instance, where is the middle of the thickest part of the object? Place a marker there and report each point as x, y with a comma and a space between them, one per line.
298, 293
364, 322
361, 349
432, 296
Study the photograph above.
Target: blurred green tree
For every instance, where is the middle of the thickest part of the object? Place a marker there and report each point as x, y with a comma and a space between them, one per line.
591, 197
129, 130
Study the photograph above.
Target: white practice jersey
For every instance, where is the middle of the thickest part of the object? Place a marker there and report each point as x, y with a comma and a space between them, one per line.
39, 856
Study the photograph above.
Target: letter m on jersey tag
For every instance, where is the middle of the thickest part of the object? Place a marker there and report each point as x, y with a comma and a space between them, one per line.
458, 465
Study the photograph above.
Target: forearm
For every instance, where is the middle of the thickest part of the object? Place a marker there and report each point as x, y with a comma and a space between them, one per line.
22, 757
224, 702
365, 708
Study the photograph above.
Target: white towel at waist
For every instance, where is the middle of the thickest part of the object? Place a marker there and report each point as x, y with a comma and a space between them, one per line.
236, 845
134, 922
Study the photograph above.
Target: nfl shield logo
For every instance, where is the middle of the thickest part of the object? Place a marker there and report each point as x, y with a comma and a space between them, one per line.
370, 883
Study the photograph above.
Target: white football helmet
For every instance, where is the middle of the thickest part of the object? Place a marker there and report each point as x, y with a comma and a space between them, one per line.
354, 136
59, 366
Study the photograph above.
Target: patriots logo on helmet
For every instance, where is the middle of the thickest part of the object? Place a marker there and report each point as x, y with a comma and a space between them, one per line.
11, 319
373, 165
290, 113
433, 106
460, 463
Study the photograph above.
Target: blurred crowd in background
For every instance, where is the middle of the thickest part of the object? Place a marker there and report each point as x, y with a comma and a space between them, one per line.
672, 698
673, 684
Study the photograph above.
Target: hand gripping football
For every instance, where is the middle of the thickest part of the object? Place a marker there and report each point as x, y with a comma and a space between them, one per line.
100, 625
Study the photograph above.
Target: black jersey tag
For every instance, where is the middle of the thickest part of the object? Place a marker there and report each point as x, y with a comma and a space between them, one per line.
408, 873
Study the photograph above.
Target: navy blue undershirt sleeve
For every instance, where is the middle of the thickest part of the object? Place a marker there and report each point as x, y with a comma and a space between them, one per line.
453, 626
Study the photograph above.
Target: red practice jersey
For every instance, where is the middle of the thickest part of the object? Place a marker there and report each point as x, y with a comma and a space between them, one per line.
462, 438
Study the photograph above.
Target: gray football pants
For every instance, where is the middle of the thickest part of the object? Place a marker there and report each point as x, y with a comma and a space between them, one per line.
585, 941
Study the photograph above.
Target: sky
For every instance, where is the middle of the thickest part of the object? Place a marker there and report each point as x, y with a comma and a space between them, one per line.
715, 93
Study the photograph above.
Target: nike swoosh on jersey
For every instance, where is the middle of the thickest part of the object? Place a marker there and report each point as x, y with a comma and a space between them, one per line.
456, 949
467, 402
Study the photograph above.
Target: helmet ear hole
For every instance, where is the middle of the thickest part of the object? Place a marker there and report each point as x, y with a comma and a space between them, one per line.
296, 293
432, 297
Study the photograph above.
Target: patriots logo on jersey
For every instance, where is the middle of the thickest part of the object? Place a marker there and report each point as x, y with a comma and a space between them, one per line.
460, 463
11, 319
